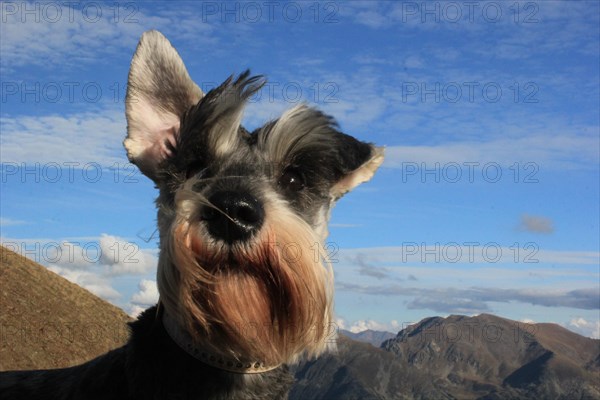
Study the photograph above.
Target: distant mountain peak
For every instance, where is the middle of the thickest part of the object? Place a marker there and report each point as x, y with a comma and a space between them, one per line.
466, 357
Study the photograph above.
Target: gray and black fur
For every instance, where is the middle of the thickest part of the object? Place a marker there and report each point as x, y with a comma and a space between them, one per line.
222, 191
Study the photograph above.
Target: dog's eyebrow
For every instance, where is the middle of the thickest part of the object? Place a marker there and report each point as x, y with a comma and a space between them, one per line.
298, 128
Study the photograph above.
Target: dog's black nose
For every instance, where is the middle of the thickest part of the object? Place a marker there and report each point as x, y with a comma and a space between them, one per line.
237, 215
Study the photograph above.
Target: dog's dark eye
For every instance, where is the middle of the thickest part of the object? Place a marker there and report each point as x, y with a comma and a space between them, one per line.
292, 180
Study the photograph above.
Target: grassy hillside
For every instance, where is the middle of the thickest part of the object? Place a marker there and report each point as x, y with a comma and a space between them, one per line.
49, 322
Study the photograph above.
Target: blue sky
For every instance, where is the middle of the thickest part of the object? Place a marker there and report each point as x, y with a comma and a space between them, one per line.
488, 200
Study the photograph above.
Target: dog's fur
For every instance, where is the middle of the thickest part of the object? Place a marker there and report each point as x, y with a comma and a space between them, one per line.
244, 286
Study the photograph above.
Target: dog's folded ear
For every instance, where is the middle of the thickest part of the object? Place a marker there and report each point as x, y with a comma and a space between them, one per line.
159, 92
360, 160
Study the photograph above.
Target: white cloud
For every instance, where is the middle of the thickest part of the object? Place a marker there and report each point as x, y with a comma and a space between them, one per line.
4, 222
54, 34
88, 280
59, 34
468, 253
78, 138
567, 151
135, 311
107, 255
147, 295
372, 60
414, 62
355, 114
354, 105
120, 256
372, 19
427, 278
363, 325
340, 323
266, 109
102, 290
94, 263
369, 13
584, 327
73, 256
340, 225
473, 300
578, 322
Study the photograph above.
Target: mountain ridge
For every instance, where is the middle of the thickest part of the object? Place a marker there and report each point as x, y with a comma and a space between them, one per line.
483, 357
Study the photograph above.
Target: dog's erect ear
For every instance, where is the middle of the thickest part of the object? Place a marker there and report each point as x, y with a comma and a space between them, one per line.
159, 92
361, 160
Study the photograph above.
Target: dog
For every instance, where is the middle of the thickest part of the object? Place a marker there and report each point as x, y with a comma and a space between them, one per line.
245, 288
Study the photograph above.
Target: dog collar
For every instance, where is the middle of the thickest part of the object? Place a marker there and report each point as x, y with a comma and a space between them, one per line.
215, 360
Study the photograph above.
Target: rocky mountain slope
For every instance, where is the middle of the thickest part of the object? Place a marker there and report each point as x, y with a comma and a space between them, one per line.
483, 357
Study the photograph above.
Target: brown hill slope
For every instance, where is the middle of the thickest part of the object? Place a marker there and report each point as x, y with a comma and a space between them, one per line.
49, 322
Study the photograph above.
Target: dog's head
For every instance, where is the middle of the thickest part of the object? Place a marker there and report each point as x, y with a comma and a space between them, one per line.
242, 216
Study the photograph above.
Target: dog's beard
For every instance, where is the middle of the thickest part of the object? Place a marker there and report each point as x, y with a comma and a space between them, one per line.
269, 299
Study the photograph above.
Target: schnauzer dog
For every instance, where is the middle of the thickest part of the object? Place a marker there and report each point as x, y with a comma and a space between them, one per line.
244, 288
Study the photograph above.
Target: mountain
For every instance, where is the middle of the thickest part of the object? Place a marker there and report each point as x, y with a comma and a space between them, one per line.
49, 322
376, 338
359, 371
483, 357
